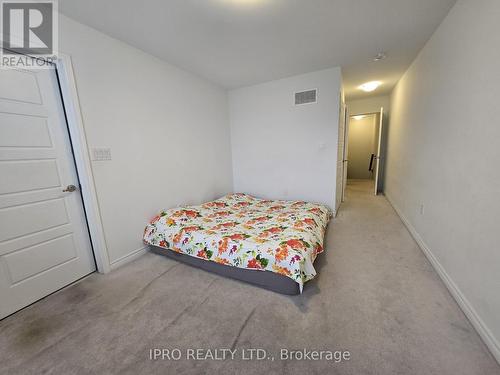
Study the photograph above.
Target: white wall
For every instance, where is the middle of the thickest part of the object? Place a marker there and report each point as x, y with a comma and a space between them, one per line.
168, 132
444, 153
283, 151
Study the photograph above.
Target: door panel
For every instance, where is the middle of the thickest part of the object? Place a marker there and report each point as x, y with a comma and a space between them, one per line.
15, 126
20, 85
340, 157
378, 180
44, 241
346, 152
26, 175
49, 253
26, 219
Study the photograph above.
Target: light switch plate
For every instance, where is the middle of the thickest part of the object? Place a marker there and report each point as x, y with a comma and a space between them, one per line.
101, 154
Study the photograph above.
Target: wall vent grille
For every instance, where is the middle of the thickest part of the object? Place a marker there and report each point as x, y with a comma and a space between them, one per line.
306, 97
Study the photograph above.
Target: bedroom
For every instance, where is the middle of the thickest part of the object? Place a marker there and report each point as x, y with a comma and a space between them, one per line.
178, 104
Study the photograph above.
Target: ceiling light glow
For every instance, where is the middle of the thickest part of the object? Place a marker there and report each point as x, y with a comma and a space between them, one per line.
243, 2
358, 117
370, 86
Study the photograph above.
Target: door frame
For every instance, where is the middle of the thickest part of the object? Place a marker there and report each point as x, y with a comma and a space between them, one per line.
345, 161
380, 125
379, 150
76, 131
74, 120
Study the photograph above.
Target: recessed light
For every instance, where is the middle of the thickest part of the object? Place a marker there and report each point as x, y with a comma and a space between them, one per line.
358, 117
380, 56
370, 86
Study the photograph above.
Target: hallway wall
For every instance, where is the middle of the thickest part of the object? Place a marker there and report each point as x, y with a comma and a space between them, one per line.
443, 154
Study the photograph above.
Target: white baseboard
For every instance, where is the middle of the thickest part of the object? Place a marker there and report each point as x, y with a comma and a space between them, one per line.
469, 311
128, 258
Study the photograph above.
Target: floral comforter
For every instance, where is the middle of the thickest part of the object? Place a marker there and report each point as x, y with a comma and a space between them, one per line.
242, 231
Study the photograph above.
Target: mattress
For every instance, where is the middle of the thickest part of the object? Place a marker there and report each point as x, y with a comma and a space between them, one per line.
245, 232
264, 279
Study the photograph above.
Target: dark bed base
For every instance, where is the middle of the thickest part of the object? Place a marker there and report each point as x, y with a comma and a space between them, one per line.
264, 279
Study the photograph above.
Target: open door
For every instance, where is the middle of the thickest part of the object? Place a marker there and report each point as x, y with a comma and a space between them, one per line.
345, 151
377, 158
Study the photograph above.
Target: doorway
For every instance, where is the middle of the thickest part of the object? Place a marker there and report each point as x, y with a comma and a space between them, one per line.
362, 149
44, 238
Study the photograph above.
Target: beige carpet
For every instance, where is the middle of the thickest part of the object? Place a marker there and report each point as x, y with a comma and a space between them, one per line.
376, 296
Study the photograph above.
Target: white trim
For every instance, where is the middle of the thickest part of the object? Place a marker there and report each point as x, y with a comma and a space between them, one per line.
77, 132
469, 311
129, 257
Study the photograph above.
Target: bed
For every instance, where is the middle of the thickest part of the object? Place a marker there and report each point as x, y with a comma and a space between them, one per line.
270, 243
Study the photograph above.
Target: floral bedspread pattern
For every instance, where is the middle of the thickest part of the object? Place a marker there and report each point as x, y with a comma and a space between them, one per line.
246, 232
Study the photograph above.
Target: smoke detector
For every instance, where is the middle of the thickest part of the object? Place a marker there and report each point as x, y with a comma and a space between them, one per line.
380, 56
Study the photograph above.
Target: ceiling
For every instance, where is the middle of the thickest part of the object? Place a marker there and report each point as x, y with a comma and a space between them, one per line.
237, 43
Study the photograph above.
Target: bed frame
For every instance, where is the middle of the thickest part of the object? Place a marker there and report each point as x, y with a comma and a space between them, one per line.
264, 279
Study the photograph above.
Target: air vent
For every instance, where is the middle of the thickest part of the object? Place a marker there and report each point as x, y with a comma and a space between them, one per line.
305, 97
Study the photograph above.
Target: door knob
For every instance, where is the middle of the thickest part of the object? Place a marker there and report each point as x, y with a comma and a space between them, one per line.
70, 189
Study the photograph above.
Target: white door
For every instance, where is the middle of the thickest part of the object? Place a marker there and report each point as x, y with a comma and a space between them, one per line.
340, 157
378, 180
44, 240
346, 150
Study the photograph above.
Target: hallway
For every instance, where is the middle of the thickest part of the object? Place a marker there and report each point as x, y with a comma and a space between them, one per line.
375, 296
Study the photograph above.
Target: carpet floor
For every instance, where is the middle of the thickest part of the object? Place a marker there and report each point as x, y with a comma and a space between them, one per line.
376, 297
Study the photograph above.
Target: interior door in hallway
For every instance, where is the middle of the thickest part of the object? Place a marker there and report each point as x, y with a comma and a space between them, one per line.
44, 240
345, 150
378, 169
